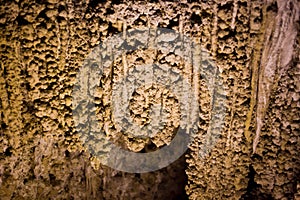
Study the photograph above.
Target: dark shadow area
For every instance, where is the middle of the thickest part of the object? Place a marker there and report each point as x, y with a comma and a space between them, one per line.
173, 185
253, 192
164, 184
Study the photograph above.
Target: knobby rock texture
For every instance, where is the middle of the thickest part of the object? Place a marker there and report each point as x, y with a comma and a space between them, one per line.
254, 50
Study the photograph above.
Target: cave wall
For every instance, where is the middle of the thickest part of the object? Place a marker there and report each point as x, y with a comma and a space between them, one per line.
255, 49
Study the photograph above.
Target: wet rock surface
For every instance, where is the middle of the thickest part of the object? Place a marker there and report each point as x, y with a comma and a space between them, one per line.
253, 49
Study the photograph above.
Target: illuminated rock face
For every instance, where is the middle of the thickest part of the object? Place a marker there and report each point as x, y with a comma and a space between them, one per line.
255, 50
